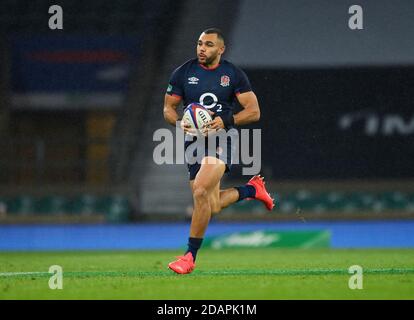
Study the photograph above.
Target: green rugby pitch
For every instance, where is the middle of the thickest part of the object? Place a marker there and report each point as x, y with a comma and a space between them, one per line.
220, 274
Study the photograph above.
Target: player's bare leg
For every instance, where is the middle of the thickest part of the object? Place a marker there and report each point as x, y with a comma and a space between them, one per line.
208, 200
221, 199
232, 195
204, 186
228, 197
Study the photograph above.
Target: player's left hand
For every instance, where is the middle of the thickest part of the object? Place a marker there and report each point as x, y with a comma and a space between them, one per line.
215, 124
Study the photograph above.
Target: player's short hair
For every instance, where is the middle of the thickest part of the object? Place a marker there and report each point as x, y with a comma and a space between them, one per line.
216, 31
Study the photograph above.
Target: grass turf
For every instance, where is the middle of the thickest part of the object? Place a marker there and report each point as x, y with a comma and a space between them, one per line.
226, 274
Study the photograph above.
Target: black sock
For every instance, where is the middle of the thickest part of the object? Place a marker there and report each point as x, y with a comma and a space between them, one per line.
246, 191
193, 245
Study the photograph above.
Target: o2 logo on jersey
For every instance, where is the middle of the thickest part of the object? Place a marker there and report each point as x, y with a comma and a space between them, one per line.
209, 101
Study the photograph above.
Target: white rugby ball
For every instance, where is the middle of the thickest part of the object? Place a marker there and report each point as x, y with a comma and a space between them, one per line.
196, 116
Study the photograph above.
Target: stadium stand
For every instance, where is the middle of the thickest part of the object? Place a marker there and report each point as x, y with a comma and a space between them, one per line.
344, 202
116, 208
112, 208
48, 173
37, 159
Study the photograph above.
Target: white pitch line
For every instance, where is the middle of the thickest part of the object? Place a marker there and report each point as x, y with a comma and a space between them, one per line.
11, 274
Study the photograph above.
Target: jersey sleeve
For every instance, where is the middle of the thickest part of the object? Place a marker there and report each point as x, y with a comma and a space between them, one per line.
242, 83
176, 83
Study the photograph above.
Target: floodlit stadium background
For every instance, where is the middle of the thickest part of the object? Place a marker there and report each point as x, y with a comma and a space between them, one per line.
78, 108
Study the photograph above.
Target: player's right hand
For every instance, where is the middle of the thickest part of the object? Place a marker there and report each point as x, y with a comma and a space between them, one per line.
187, 128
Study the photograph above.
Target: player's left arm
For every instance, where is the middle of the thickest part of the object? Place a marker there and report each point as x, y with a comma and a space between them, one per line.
249, 114
251, 109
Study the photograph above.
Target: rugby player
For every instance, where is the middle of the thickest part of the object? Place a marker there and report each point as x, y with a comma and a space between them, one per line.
214, 83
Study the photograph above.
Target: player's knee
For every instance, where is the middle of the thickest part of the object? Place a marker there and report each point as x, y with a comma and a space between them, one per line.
200, 193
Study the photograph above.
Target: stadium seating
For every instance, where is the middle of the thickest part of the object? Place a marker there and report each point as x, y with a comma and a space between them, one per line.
115, 208
20, 205
343, 202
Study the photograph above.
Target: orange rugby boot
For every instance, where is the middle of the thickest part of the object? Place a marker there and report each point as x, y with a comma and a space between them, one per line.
184, 264
261, 193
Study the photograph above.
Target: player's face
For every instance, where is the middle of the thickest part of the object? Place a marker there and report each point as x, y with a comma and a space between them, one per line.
209, 49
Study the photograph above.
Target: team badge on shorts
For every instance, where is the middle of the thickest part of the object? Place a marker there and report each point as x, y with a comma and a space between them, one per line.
225, 81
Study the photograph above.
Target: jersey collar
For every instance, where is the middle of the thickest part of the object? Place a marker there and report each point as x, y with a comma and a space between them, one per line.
209, 69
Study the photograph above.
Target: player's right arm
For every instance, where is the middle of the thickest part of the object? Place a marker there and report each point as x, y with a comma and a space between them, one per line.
173, 98
171, 102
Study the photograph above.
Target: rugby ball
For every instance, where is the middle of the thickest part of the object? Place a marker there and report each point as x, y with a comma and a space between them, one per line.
196, 116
